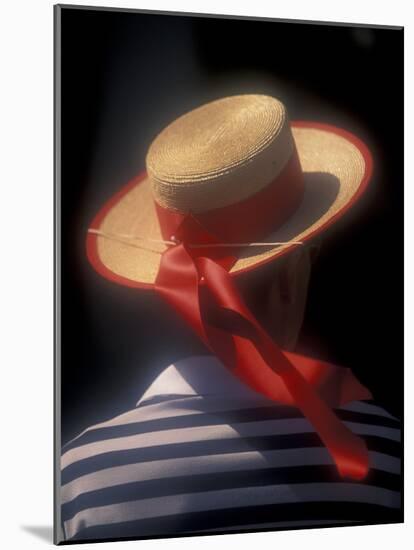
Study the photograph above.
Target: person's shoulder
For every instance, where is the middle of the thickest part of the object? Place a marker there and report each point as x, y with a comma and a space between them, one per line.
192, 453
372, 421
370, 411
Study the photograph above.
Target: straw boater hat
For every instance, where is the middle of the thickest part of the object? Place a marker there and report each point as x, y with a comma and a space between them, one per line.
245, 172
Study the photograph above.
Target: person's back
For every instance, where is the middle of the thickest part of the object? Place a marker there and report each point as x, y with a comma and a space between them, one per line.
203, 452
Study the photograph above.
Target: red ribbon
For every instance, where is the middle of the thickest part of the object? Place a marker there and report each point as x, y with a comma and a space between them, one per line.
196, 283
251, 218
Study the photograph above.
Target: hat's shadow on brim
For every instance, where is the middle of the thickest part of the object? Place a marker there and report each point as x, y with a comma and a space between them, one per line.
321, 191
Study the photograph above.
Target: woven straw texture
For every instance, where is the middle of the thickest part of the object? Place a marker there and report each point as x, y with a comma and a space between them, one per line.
220, 153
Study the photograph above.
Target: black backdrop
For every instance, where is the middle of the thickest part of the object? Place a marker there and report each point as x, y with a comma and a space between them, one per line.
124, 76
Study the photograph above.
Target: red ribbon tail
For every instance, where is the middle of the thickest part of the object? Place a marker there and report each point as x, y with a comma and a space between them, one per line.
348, 451
350, 387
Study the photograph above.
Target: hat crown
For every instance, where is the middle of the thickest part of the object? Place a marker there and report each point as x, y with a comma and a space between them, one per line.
220, 153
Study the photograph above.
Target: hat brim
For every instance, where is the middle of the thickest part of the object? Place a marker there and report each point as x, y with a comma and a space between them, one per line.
337, 167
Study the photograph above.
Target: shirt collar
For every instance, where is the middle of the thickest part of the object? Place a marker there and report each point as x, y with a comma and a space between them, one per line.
195, 376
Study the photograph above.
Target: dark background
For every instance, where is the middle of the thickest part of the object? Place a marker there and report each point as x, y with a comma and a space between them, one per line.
124, 76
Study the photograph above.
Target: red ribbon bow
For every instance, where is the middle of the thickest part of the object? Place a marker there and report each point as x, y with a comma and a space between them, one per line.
196, 282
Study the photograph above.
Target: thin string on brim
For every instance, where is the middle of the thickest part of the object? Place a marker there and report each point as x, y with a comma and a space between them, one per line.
124, 238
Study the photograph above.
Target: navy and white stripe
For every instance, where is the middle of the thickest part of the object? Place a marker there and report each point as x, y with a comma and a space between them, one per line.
203, 453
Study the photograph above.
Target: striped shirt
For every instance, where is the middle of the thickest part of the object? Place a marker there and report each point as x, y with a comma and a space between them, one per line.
201, 453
